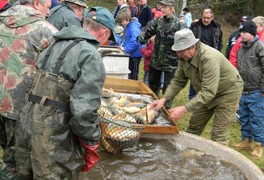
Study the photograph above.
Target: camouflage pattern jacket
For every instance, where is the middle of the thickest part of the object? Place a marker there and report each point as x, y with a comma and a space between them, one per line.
63, 16
23, 34
163, 57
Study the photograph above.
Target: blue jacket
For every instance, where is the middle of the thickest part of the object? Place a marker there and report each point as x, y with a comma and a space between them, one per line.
131, 46
118, 38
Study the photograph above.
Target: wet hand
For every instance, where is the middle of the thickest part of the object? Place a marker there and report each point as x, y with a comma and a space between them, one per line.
177, 112
156, 105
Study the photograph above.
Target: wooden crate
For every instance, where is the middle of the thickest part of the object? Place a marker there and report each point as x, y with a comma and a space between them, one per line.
138, 87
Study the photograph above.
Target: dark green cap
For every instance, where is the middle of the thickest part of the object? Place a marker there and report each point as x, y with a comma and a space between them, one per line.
168, 2
78, 2
104, 17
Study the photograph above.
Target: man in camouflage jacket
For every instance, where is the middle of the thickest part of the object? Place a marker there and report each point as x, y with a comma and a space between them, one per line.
24, 33
163, 59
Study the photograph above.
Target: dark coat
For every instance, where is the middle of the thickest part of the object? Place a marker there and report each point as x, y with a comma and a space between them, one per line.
196, 28
144, 15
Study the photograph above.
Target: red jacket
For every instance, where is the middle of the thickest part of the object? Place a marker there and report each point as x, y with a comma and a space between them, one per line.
237, 46
146, 52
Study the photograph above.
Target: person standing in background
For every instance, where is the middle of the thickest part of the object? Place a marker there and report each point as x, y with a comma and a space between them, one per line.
209, 32
121, 7
162, 59
130, 44
144, 14
146, 52
187, 16
156, 12
133, 8
259, 21
234, 36
24, 33
119, 33
250, 65
68, 13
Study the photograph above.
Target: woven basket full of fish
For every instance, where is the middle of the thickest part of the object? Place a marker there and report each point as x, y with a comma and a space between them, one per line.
120, 129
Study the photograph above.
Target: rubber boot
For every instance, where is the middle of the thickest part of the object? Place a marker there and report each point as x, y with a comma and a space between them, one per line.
247, 144
257, 151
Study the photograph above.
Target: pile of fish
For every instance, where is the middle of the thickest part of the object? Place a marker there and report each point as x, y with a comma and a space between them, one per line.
135, 104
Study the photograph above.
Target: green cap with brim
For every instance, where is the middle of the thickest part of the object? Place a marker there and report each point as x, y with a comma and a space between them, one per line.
78, 2
104, 17
168, 2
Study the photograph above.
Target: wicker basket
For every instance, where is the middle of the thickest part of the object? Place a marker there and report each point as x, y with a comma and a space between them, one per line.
120, 130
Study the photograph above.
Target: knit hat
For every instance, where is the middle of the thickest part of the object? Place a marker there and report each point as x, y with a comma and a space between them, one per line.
104, 17
119, 29
248, 26
183, 39
245, 18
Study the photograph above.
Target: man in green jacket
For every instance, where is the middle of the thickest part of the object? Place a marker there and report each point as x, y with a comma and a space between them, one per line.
68, 13
216, 81
58, 132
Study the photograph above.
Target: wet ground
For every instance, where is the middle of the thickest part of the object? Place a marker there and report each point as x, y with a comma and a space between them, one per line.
162, 160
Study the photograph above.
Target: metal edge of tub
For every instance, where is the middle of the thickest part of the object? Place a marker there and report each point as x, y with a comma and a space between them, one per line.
251, 171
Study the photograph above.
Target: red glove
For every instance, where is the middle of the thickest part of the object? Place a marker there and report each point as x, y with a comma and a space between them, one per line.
91, 157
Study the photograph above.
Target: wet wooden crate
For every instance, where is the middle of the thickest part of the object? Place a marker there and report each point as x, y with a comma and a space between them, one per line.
138, 87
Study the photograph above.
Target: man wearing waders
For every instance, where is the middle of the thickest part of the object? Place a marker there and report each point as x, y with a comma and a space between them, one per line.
58, 132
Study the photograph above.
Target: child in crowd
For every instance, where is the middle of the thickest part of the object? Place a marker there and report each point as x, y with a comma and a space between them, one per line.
119, 32
130, 44
146, 52
250, 65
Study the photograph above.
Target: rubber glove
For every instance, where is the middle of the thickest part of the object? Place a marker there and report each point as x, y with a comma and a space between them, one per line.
91, 156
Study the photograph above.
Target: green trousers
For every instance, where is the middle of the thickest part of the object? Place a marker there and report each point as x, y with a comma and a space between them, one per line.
224, 113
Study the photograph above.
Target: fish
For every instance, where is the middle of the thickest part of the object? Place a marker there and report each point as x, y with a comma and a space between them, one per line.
151, 114
142, 115
147, 115
136, 104
131, 109
123, 101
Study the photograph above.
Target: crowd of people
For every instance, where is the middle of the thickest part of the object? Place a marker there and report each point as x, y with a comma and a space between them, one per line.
52, 76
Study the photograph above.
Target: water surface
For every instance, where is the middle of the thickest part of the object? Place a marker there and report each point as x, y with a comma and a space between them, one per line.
162, 160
